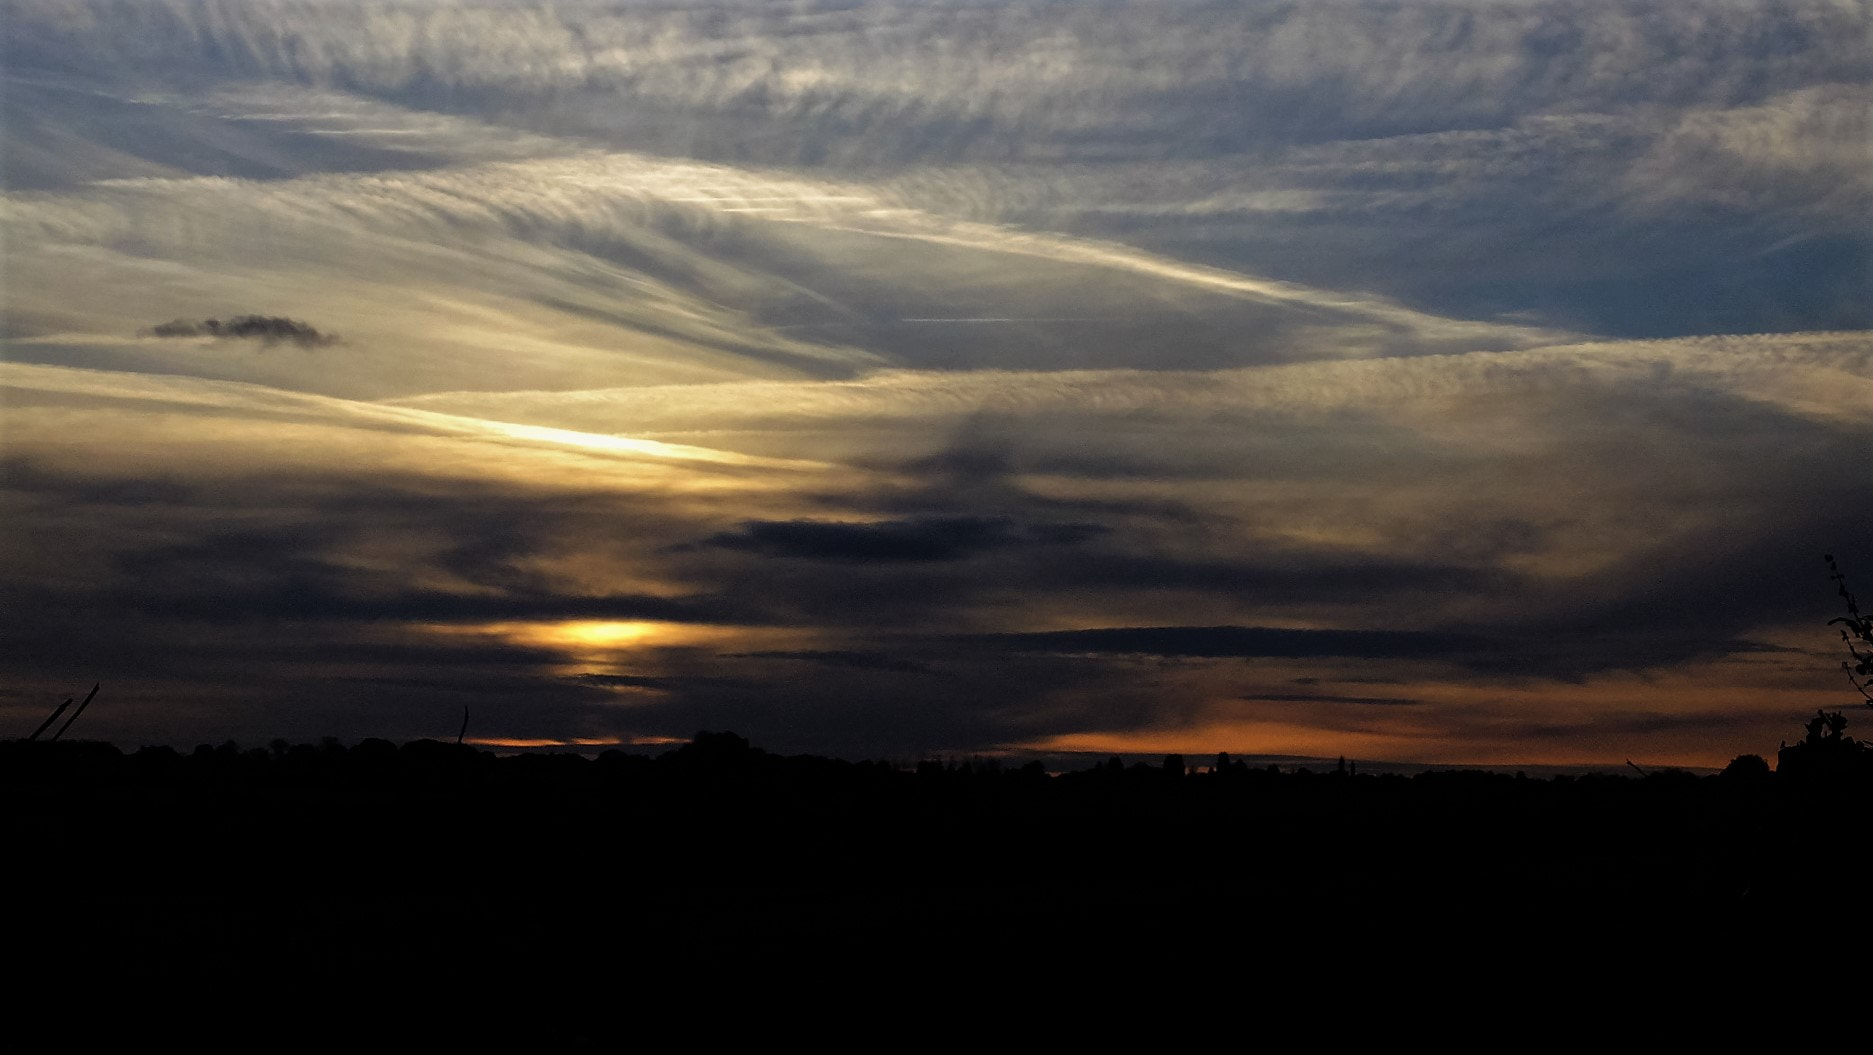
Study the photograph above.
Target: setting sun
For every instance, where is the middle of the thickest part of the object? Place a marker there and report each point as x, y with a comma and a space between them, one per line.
598, 634
589, 639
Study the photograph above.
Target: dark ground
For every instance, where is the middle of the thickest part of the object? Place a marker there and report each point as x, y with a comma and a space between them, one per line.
545, 896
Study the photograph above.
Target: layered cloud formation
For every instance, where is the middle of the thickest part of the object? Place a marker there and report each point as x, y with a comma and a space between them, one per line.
1473, 381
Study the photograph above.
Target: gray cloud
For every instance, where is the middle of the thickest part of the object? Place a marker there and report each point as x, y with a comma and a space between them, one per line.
1243, 642
837, 658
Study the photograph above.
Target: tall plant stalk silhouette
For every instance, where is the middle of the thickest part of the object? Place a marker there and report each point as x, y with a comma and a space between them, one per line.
1856, 631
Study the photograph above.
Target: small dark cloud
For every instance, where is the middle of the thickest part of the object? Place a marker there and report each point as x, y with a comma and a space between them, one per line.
267, 329
917, 540
1363, 701
838, 658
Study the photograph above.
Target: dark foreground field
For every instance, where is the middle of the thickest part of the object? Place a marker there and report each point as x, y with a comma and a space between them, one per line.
546, 895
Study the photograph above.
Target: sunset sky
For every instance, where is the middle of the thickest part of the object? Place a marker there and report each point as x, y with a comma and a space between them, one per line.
1436, 381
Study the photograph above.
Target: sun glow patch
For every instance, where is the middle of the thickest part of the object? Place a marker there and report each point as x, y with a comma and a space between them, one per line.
605, 634
584, 636
584, 641
629, 445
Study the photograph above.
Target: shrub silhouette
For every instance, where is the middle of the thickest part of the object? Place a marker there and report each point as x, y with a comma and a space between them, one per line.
1746, 768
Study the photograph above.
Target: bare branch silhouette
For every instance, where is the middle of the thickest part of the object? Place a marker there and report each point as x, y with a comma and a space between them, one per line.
79, 711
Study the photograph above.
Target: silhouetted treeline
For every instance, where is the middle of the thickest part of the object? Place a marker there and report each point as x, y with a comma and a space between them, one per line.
701, 812
376, 860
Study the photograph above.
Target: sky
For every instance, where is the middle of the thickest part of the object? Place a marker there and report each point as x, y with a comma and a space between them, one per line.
1434, 381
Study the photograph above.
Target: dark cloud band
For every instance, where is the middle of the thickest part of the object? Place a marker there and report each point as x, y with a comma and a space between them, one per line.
1246, 642
1301, 697
850, 658
926, 539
